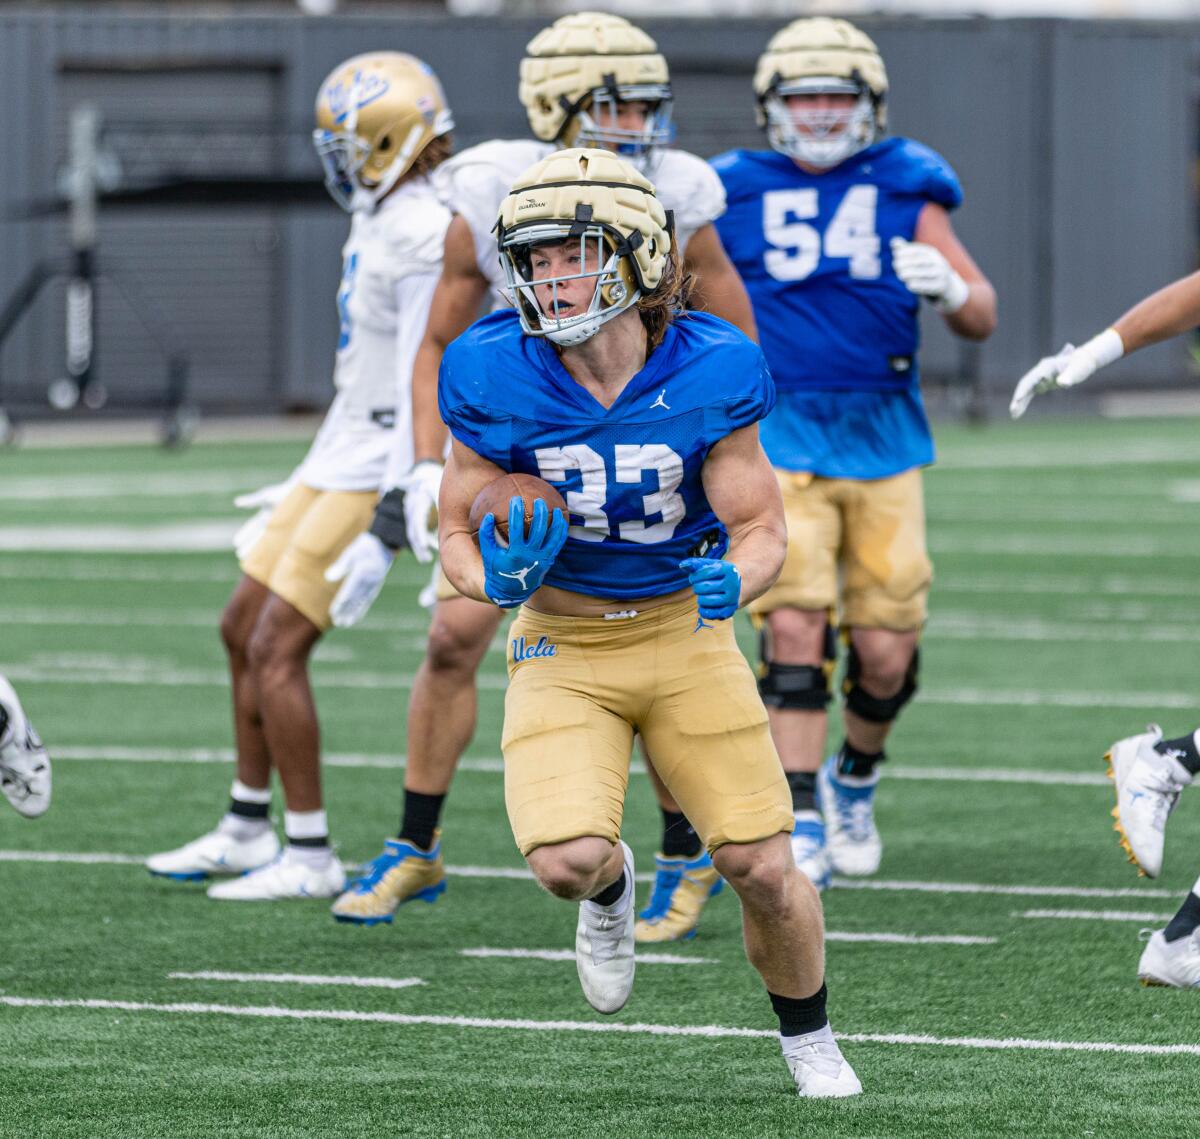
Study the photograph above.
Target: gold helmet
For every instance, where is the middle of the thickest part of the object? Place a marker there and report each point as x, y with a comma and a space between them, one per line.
624, 236
375, 114
576, 73
821, 56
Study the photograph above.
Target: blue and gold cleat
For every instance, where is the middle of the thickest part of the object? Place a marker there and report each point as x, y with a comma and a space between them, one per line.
402, 873
682, 886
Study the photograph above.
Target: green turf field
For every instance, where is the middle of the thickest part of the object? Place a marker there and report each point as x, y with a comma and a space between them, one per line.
1065, 615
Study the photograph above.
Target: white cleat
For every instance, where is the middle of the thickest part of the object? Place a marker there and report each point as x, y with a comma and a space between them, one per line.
1147, 787
819, 1068
851, 838
808, 848
24, 764
1175, 964
604, 949
286, 877
218, 852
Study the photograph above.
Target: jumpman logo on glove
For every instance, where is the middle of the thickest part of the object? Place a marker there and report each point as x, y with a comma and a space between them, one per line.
520, 574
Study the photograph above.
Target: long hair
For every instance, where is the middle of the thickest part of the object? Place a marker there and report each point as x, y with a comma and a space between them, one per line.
667, 302
436, 151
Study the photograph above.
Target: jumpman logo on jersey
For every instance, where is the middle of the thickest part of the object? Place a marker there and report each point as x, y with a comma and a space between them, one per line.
660, 402
520, 575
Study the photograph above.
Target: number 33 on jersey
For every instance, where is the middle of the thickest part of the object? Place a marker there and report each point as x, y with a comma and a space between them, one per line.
814, 252
630, 473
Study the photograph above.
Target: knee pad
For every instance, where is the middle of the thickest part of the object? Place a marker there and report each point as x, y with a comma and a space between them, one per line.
800, 687
877, 709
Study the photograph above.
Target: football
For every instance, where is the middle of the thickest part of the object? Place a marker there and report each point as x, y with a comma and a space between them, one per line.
494, 499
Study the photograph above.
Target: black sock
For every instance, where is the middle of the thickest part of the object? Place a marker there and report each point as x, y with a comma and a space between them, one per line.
610, 894
798, 1016
1186, 921
804, 789
314, 843
245, 810
679, 840
1183, 749
859, 764
420, 818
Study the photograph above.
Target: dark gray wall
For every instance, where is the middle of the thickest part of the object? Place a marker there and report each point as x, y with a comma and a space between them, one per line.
1076, 142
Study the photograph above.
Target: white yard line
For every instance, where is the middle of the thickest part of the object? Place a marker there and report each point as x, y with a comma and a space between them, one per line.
976, 627
301, 979
89, 858
272, 1012
521, 874
176, 618
94, 753
61, 570
1094, 915
137, 484
144, 674
569, 955
946, 625
984, 889
1048, 456
909, 938
165, 537
1073, 586
1026, 545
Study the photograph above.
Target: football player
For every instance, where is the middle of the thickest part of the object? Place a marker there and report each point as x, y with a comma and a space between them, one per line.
1149, 772
597, 383
24, 763
382, 129
589, 79
840, 234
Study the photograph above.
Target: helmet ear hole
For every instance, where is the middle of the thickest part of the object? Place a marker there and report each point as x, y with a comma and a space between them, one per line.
385, 144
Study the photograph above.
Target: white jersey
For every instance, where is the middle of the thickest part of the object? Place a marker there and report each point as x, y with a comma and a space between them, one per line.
474, 183
390, 266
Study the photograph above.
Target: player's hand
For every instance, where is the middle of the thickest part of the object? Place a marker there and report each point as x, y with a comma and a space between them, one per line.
1070, 367
924, 271
361, 568
716, 584
513, 573
421, 487
1044, 376
263, 501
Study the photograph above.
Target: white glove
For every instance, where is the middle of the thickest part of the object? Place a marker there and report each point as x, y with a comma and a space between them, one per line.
263, 501
1070, 367
362, 568
421, 487
924, 271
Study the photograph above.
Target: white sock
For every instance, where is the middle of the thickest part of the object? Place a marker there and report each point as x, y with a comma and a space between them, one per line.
314, 857
242, 828
306, 824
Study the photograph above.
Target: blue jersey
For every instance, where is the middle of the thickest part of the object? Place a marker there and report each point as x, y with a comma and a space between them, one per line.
838, 327
630, 473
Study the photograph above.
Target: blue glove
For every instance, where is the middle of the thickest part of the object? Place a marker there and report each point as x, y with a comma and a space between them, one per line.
717, 585
512, 573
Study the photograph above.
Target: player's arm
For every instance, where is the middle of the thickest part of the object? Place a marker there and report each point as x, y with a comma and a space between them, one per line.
1170, 311
717, 286
936, 265
744, 494
459, 296
467, 473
